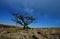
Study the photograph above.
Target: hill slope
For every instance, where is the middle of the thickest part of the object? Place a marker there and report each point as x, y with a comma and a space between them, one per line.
15, 32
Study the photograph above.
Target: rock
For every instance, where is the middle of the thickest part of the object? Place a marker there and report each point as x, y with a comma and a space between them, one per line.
38, 32
34, 37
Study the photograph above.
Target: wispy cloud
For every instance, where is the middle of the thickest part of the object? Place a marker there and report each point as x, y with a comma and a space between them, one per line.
28, 10
46, 10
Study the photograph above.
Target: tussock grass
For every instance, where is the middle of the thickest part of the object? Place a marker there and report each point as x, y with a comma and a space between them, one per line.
2, 37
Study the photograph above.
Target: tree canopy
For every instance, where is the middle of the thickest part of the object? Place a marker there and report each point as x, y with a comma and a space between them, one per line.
23, 20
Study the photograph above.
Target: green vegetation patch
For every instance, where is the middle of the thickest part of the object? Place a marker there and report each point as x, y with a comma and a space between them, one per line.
2, 37
14, 30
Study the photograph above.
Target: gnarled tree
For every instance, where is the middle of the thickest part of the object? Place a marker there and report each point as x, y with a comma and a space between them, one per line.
23, 20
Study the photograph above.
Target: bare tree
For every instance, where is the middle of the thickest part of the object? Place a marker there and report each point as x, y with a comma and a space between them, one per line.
23, 20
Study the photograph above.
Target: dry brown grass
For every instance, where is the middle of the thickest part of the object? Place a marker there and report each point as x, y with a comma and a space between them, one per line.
35, 30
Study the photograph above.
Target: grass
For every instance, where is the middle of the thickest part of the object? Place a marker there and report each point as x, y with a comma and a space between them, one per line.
17, 30
2, 37
14, 30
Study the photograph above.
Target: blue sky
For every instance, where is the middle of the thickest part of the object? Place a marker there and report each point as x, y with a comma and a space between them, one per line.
47, 12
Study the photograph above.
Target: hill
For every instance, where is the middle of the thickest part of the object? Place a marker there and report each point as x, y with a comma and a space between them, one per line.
16, 32
9, 26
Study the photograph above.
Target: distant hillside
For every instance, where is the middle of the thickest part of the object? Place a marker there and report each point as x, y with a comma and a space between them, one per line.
9, 26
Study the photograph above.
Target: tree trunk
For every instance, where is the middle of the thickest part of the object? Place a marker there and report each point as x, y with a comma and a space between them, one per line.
26, 27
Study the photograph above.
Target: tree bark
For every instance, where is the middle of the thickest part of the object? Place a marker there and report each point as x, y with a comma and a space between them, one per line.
26, 27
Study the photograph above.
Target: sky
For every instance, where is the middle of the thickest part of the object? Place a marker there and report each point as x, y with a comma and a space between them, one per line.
47, 12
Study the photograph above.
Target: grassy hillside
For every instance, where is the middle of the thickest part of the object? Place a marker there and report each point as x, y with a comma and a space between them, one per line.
9, 26
18, 32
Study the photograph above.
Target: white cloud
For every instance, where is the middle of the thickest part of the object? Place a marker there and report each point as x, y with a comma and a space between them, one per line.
28, 10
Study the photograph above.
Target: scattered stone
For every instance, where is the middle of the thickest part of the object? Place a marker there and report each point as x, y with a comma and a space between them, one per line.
34, 37
39, 32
